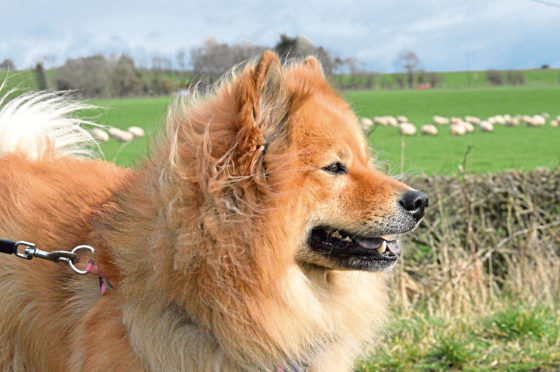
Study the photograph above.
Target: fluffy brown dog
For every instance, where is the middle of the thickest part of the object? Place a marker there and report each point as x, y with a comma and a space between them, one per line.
254, 238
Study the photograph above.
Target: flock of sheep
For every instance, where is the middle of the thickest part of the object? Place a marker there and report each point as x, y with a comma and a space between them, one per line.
120, 135
457, 126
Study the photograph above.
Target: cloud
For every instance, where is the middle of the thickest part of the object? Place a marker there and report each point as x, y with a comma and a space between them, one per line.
445, 35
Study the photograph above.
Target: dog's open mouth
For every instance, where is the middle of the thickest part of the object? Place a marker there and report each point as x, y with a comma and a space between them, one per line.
354, 251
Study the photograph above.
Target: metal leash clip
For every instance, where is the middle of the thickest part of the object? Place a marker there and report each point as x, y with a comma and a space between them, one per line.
70, 258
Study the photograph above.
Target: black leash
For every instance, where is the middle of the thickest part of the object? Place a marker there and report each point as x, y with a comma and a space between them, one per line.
8, 246
30, 251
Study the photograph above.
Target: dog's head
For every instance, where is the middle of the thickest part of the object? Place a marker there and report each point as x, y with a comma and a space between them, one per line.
294, 151
353, 210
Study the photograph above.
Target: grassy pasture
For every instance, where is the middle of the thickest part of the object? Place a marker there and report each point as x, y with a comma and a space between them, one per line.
463, 79
515, 148
534, 77
147, 113
24, 79
506, 148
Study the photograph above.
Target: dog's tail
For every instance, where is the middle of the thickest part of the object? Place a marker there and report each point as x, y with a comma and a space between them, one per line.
44, 123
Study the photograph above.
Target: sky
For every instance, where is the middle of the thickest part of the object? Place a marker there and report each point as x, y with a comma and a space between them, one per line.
445, 34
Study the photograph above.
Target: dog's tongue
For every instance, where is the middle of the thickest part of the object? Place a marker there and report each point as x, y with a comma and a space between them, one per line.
374, 243
369, 243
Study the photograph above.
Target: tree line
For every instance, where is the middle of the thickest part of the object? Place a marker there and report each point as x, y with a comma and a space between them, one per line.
121, 76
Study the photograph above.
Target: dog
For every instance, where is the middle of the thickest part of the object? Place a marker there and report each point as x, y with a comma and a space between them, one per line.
257, 235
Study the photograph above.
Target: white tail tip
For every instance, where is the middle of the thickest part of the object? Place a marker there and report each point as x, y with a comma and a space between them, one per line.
45, 123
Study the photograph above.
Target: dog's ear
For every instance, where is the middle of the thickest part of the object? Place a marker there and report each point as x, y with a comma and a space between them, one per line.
314, 64
262, 105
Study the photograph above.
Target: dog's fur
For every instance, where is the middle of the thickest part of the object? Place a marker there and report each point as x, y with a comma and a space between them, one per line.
206, 244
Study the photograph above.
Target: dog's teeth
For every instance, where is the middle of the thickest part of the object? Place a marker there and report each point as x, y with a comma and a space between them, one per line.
336, 234
347, 239
383, 247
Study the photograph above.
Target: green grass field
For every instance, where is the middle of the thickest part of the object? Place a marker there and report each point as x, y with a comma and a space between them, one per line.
147, 113
507, 148
462, 79
24, 79
515, 148
534, 77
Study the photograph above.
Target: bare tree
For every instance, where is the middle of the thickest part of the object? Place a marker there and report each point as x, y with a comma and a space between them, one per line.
7, 64
166, 63
181, 59
350, 65
157, 63
214, 58
408, 61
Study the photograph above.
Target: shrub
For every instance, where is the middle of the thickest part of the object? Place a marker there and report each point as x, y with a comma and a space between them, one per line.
88, 75
386, 84
370, 81
421, 77
400, 80
97, 76
494, 77
161, 85
515, 77
125, 80
434, 79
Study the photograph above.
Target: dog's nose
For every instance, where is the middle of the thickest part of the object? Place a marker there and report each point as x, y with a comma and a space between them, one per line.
414, 203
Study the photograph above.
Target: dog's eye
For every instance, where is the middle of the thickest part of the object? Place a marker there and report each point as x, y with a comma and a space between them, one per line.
336, 168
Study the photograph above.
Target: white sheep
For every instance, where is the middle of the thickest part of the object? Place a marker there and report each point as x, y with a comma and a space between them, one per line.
468, 126
472, 119
539, 120
528, 120
513, 122
391, 121
380, 120
486, 126
385, 121
457, 130
137, 131
407, 129
455, 120
501, 119
440, 120
554, 123
402, 119
99, 135
534, 121
121, 135
429, 130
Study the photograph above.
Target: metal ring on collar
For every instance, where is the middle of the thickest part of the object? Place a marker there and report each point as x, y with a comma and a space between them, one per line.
75, 250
